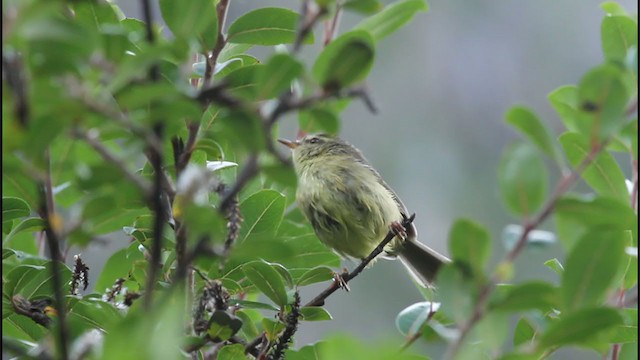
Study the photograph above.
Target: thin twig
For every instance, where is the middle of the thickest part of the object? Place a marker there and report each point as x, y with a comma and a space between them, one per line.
308, 20
411, 339
485, 293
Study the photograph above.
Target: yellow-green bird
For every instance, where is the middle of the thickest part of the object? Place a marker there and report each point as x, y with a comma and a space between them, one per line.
351, 208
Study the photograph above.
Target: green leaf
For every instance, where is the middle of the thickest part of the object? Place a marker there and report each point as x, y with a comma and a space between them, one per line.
14, 208
565, 101
315, 275
579, 327
523, 179
28, 224
363, 6
268, 280
603, 174
602, 99
613, 8
530, 295
575, 217
254, 305
591, 267
392, 17
232, 352
191, 19
272, 328
319, 120
276, 76
314, 313
555, 265
411, 319
265, 26
454, 286
222, 326
524, 332
262, 212
528, 123
33, 281
618, 33
470, 244
119, 265
346, 60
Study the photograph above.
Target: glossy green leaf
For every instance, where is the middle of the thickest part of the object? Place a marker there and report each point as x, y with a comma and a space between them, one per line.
591, 267
454, 286
254, 305
392, 17
315, 275
618, 34
262, 212
530, 295
232, 352
31, 281
14, 208
192, 19
265, 26
555, 265
523, 179
603, 174
319, 120
602, 99
524, 332
118, 265
277, 74
528, 123
222, 326
613, 8
272, 328
346, 60
470, 244
363, 6
565, 101
28, 224
411, 319
268, 280
580, 326
314, 313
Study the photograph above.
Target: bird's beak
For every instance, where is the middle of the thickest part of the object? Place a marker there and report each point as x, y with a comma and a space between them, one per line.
290, 144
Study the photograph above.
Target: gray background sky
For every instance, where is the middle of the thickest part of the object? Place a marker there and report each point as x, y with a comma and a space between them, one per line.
442, 85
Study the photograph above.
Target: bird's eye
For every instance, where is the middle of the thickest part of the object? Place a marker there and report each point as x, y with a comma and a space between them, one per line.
314, 140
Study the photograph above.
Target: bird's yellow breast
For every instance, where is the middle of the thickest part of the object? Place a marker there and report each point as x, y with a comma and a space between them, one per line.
346, 204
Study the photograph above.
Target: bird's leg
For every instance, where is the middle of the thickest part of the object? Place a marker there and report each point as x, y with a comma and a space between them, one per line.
398, 229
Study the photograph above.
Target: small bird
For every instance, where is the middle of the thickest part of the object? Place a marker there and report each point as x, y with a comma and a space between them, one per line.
351, 208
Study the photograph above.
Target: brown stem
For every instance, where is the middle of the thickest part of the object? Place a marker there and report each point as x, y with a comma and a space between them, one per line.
212, 57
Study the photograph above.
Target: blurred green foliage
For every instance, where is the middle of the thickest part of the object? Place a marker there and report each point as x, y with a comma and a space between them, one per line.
80, 110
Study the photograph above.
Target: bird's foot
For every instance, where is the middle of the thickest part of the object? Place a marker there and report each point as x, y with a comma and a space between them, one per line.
398, 230
339, 279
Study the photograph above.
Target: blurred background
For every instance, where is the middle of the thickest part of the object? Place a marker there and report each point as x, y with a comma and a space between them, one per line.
442, 85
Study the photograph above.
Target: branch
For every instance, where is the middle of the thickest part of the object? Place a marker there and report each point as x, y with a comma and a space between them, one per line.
248, 172
13, 72
308, 20
56, 281
91, 138
485, 293
345, 278
158, 209
212, 58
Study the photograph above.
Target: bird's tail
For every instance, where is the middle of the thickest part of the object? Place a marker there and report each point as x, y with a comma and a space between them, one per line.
422, 262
